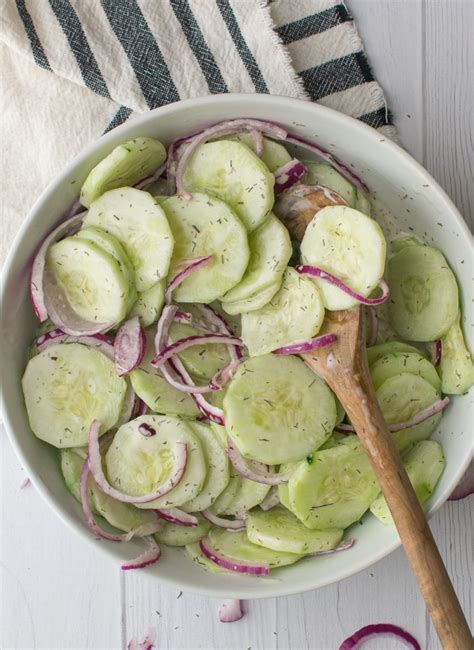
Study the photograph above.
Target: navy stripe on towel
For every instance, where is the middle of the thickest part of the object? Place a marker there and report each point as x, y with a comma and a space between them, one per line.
336, 75
39, 54
377, 118
314, 24
119, 118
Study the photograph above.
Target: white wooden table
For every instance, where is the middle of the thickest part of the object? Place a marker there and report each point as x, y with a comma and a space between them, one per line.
56, 592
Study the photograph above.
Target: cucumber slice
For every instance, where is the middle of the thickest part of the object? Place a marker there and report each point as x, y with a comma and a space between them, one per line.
325, 175
123, 516
277, 410
66, 387
237, 546
176, 535
219, 431
456, 368
363, 202
249, 495
376, 352
218, 469
424, 465
224, 500
72, 463
349, 245
196, 555
231, 171
204, 226
96, 286
257, 301
149, 304
139, 223
403, 242
400, 362
150, 386
110, 245
294, 315
284, 496
274, 154
424, 295
137, 464
125, 165
333, 488
270, 252
403, 396
280, 530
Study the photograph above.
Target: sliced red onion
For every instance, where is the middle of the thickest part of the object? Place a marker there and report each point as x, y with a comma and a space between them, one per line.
95, 465
186, 318
219, 322
300, 348
129, 346
221, 522
257, 138
142, 408
190, 267
230, 611
150, 556
66, 228
146, 430
148, 180
271, 500
373, 327
316, 272
348, 543
436, 350
170, 351
25, 482
288, 174
212, 412
75, 207
228, 563
427, 413
252, 469
465, 486
328, 157
176, 516
148, 642
379, 629
103, 343
225, 376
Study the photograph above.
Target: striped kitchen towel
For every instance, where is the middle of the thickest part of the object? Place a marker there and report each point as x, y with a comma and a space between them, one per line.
145, 53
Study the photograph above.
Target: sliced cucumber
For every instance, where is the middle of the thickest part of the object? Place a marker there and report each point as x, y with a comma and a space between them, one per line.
125, 165
424, 295
149, 304
95, 284
237, 546
376, 352
66, 387
176, 535
196, 555
150, 386
248, 495
333, 488
137, 464
401, 398
274, 154
294, 315
235, 174
270, 252
219, 430
403, 242
280, 530
424, 465
257, 301
363, 202
277, 410
392, 364
123, 516
72, 463
224, 500
456, 368
349, 245
204, 226
325, 175
218, 469
140, 225
284, 496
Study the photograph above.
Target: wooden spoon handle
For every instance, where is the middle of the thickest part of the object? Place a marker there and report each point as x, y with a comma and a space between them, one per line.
357, 396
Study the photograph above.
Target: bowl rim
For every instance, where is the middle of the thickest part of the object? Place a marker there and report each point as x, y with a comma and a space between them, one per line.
229, 99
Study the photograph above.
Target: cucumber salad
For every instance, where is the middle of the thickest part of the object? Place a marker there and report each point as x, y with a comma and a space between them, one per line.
175, 298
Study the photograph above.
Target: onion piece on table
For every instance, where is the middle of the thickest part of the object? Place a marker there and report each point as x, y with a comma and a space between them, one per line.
228, 563
316, 272
379, 629
230, 611
129, 346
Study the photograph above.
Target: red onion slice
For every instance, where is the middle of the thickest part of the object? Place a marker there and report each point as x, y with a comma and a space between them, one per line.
271, 500
176, 516
436, 350
252, 469
170, 351
212, 412
300, 348
95, 465
150, 556
228, 563
148, 642
221, 522
25, 482
348, 543
379, 629
225, 376
316, 272
230, 611
148, 180
68, 227
257, 138
146, 430
288, 174
129, 346
103, 343
465, 486
190, 267
428, 412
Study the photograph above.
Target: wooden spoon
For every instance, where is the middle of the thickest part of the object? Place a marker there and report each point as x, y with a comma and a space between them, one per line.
343, 365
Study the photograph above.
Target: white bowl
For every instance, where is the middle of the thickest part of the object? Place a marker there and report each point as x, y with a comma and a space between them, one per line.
400, 182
